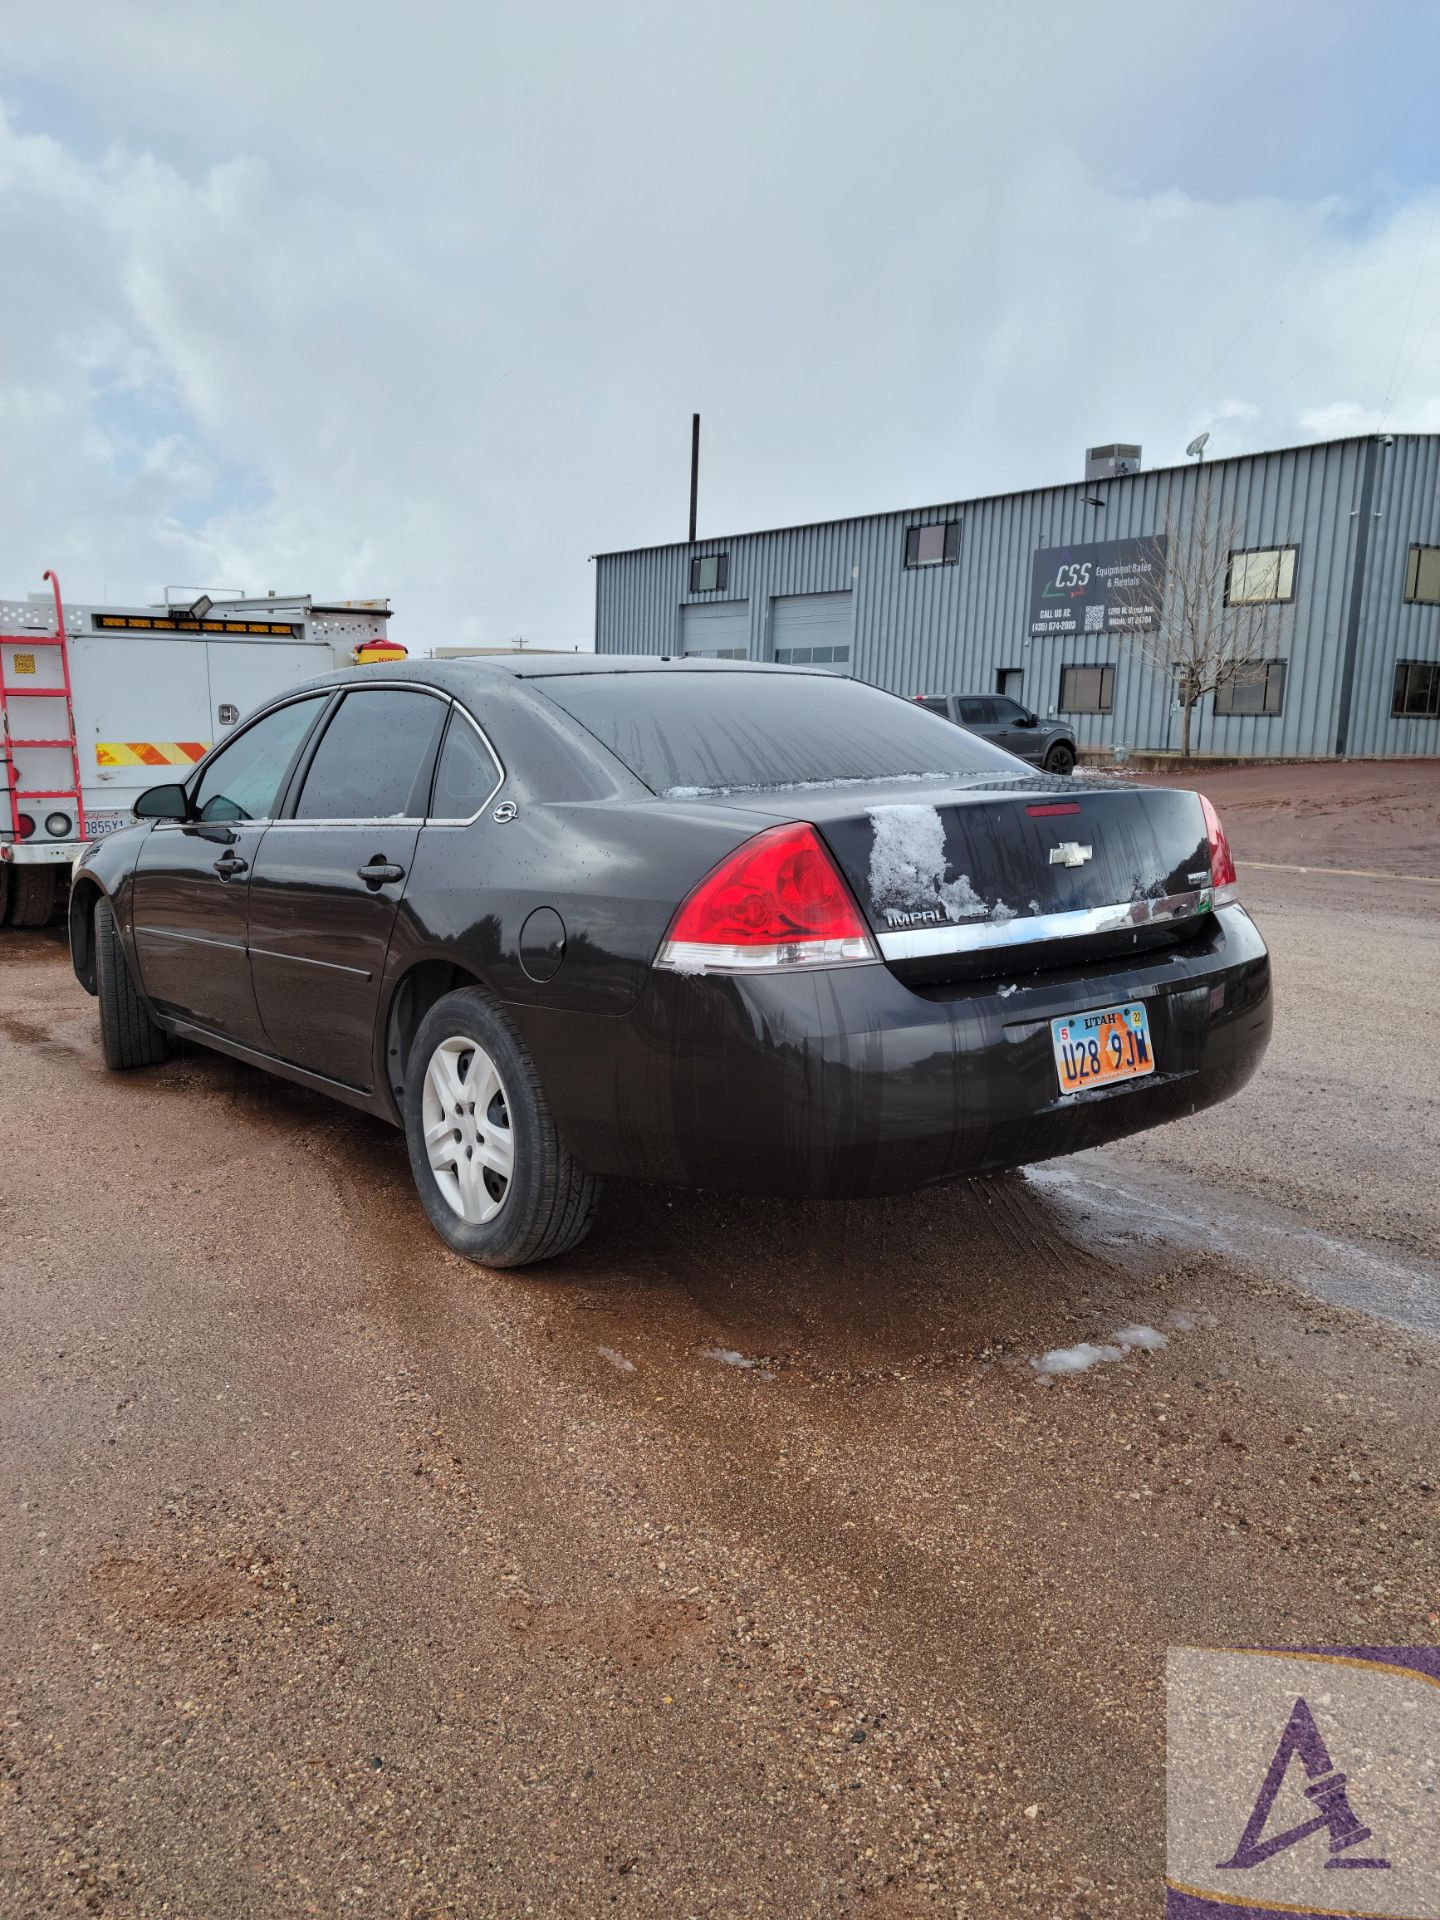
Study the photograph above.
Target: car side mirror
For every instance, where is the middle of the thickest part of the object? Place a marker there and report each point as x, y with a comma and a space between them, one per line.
163, 803
1027, 719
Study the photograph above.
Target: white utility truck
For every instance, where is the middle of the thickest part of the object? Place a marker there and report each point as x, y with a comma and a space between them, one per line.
99, 702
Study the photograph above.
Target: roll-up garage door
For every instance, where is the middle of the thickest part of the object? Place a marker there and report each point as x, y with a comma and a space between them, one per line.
719, 629
811, 630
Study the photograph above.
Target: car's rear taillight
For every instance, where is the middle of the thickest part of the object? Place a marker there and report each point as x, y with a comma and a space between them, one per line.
1224, 883
778, 901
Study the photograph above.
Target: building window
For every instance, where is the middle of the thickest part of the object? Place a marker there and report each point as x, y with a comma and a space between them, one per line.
933, 546
1264, 573
812, 656
1256, 687
709, 572
1417, 688
1422, 576
1087, 689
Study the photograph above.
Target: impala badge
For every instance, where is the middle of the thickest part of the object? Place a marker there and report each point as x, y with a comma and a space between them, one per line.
1070, 853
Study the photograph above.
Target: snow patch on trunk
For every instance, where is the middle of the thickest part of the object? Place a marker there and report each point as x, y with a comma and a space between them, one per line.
907, 866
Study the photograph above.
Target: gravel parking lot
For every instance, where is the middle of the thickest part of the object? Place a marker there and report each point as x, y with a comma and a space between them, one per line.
748, 1562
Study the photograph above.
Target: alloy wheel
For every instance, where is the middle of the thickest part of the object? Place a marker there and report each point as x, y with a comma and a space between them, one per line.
468, 1136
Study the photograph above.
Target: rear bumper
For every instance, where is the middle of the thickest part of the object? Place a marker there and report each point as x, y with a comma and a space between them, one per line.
41, 853
849, 1082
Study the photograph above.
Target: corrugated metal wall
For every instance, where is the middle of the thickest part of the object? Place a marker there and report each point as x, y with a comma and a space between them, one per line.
1406, 513
952, 628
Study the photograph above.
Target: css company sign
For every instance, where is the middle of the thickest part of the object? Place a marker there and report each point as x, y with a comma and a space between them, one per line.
1109, 586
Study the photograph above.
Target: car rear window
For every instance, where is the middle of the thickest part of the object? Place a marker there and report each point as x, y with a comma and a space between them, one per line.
715, 732
374, 759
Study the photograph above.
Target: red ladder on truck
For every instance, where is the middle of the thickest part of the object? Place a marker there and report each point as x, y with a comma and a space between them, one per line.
8, 740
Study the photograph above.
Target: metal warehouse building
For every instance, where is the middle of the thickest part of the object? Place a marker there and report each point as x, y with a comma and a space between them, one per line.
1008, 595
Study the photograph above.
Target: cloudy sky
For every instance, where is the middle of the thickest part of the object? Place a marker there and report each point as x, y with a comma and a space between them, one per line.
418, 299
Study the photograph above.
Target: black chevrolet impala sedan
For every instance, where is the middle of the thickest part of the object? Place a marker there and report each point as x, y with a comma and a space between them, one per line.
691, 921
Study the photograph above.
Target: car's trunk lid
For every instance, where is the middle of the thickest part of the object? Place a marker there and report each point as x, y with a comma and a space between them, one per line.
962, 880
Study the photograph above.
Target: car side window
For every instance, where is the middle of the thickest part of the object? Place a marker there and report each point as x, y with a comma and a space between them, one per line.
242, 781
467, 774
973, 712
374, 758
1008, 712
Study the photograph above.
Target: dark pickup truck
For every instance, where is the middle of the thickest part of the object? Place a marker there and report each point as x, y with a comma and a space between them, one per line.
1005, 723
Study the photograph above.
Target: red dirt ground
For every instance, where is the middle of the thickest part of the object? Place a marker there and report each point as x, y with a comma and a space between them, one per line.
1370, 814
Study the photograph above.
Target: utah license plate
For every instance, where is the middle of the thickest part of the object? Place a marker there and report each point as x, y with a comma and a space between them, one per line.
1096, 1049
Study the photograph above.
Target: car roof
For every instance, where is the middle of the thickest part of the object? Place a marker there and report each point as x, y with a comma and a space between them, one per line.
537, 667
470, 675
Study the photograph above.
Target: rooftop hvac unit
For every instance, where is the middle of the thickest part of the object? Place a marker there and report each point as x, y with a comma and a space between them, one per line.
1110, 463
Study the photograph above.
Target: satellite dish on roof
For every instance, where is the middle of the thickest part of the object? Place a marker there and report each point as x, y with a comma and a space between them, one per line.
1197, 445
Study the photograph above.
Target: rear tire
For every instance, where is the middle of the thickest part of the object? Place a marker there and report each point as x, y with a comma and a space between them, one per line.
483, 1140
128, 1036
1060, 759
33, 893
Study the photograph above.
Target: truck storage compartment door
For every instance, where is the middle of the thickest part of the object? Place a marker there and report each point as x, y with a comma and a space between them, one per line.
245, 673
142, 715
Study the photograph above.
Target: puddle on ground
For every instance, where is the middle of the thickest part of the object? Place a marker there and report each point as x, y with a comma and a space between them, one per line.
1133, 1205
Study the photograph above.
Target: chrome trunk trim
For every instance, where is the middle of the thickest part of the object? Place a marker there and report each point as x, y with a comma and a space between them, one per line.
1024, 930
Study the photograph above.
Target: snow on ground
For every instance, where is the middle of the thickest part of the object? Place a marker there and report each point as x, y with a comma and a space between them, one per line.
1088, 1353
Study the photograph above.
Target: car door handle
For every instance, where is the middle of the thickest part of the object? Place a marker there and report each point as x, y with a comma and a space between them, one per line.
230, 864
380, 872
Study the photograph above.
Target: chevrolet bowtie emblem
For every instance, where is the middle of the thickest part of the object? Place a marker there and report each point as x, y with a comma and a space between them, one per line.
1070, 853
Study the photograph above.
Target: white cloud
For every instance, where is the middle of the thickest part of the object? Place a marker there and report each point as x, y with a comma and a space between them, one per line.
1340, 418
378, 309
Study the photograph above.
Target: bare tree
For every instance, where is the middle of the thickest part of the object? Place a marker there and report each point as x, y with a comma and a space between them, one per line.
1205, 612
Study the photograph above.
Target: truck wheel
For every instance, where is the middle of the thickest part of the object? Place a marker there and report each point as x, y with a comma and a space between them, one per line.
1060, 758
32, 896
128, 1036
495, 1178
